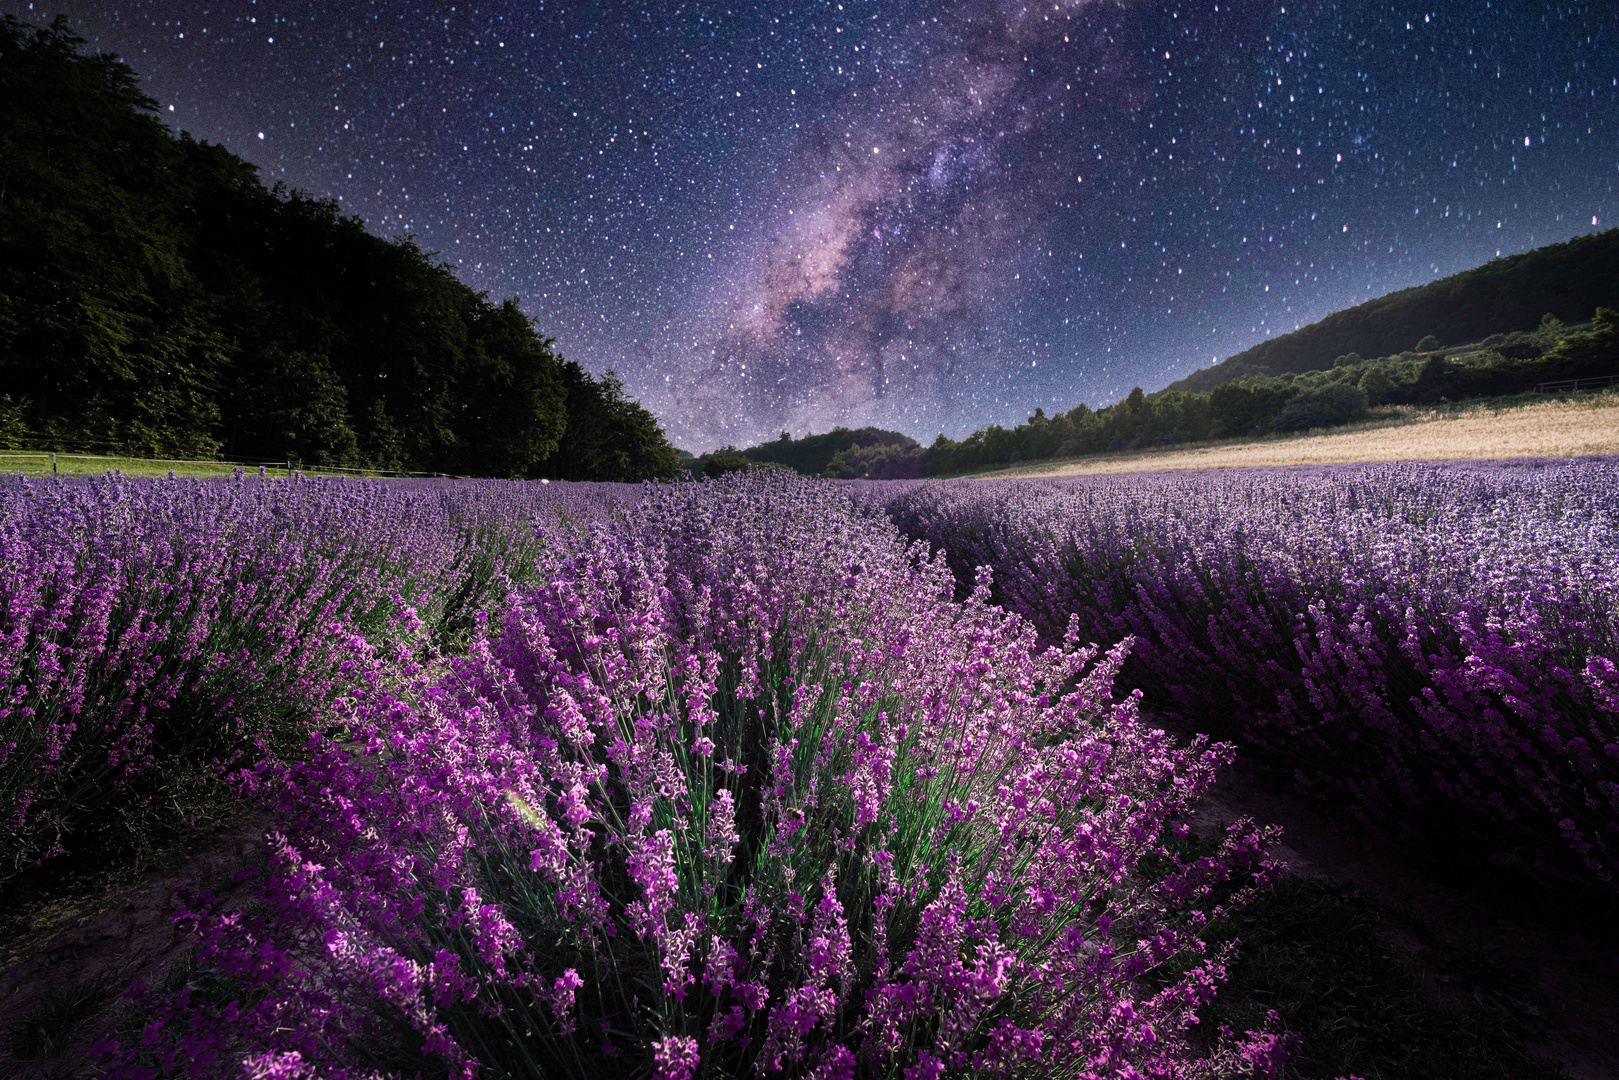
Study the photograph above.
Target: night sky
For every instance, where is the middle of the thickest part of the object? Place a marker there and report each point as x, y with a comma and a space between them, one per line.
927, 216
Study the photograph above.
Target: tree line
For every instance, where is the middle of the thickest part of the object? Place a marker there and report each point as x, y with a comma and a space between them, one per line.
156, 299
1256, 405
1501, 365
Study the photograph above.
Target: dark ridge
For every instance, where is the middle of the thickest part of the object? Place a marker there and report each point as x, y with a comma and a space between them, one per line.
1513, 293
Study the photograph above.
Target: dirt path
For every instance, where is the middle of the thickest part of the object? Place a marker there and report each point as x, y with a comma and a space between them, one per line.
64, 963
1568, 988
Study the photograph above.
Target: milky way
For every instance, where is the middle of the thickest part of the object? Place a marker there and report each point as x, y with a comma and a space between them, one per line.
925, 216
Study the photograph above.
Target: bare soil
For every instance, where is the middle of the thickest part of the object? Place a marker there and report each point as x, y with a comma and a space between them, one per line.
1559, 985
112, 924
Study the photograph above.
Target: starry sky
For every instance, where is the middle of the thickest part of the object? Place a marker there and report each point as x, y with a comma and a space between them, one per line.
928, 216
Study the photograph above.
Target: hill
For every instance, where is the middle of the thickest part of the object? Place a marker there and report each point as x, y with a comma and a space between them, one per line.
813, 454
156, 299
1551, 359
1567, 280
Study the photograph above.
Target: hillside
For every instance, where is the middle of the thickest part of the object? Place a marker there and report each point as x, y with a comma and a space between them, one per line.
1567, 280
157, 300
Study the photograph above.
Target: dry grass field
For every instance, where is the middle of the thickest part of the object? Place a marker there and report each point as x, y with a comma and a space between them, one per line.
1567, 428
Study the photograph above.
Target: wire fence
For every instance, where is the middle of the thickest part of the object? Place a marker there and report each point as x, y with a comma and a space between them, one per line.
288, 466
1577, 384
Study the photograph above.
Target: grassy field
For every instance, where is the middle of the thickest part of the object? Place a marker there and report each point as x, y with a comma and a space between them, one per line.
1588, 424
38, 463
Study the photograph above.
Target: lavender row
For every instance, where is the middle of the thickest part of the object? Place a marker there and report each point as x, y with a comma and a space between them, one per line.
1431, 646
731, 787
154, 634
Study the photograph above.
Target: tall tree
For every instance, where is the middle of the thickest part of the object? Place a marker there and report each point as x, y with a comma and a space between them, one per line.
610, 436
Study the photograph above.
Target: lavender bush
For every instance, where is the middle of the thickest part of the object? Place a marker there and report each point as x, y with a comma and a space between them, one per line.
1433, 646
733, 787
155, 633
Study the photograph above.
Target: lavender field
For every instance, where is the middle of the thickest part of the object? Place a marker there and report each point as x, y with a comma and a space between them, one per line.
1431, 647
768, 776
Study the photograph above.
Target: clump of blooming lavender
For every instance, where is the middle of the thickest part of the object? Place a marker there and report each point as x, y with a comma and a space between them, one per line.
732, 788
1432, 646
155, 635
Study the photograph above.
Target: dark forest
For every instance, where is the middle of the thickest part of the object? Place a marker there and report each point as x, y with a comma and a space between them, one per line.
157, 299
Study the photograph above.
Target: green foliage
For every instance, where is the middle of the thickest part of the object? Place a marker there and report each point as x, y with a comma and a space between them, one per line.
299, 405
1244, 408
1595, 351
723, 461
609, 436
102, 329
1433, 375
1322, 406
1568, 280
1549, 331
13, 425
157, 299
1428, 344
1375, 384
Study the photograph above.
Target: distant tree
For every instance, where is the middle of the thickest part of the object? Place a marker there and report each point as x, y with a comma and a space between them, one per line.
1548, 332
811, 454
1245, 408
1433, 378
1593, 352
727, 460
1325, 406
513, 406
13, 423
1375, 384
300, 410
104, 330
609, 436
878, 463
1526, 349
384, 446
1428, 344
